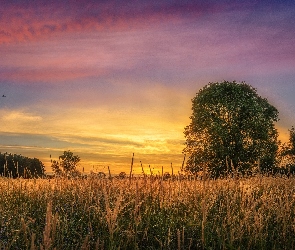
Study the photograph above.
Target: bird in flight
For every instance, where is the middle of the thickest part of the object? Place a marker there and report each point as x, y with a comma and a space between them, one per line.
3, 95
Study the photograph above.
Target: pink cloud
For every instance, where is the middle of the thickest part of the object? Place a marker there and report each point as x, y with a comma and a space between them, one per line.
19, 24
48, 75
30, 22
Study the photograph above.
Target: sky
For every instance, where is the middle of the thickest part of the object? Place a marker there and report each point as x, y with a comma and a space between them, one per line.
106, 79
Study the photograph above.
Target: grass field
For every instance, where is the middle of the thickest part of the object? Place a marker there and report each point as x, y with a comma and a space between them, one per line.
247, 213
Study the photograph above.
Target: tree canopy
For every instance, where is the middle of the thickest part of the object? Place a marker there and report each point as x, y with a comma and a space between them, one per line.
66, 165
287, 153
231, 129
291, 143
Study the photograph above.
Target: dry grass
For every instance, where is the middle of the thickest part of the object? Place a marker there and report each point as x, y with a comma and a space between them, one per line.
248, 213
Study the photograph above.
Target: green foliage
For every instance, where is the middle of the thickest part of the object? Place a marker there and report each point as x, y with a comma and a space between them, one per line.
231, 130
13, 165
289, 148
287, 154
67, 164
292, 140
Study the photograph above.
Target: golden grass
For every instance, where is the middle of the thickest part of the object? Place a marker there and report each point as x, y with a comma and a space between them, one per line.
147, 213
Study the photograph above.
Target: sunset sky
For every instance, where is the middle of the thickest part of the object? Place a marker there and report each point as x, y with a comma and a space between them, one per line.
106, 79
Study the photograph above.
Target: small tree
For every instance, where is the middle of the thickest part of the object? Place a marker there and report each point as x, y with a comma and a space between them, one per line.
231, 129
287, 154
291, 144
122, 175
166, 176
67, 164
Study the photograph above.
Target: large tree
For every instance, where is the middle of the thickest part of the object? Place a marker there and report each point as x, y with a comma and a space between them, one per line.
231, 130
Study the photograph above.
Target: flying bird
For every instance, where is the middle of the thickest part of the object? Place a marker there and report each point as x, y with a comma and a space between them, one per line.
3, 95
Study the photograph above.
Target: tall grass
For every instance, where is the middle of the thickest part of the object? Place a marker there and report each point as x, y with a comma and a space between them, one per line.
147, 213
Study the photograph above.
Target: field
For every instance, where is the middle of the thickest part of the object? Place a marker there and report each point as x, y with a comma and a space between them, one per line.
147, 213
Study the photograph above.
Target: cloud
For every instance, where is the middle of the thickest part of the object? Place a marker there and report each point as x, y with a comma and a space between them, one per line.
196, 39
19, 117
25, 21
30, 22
101, 149
45, 75
19, 120
31, 140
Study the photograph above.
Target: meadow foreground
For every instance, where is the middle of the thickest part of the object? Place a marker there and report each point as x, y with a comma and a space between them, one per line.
147, 213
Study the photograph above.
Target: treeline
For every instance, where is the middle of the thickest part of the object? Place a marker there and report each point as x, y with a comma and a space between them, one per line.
15, 166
